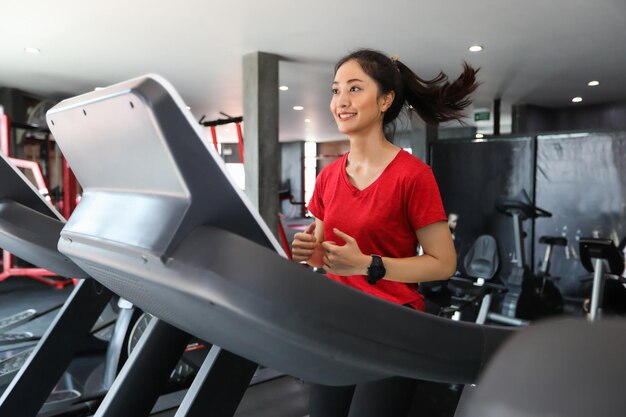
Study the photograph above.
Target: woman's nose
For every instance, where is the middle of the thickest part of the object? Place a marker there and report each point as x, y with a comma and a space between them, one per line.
342, 100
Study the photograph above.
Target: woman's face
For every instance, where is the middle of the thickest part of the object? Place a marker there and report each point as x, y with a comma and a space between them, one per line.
355, 104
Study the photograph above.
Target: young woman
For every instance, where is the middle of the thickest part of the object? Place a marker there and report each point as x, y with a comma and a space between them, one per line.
374, 205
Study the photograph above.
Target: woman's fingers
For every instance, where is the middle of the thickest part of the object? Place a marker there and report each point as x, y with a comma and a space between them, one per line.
346, 237
304, 243
303, 246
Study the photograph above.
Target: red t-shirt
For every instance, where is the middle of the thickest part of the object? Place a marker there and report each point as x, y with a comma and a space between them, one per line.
382, 218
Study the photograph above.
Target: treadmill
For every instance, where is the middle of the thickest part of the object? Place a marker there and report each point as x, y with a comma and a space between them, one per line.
30, 228
162, 224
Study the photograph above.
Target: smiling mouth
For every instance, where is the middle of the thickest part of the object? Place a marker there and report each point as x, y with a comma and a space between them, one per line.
344, 116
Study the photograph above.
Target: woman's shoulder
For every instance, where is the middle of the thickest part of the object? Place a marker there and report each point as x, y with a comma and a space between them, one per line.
411, 164
334, 167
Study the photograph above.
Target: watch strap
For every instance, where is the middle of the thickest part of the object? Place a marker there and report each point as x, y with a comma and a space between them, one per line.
376, 270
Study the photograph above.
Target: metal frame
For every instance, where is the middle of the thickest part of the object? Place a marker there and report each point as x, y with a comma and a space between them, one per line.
219, 386
29, 225
53, 353
140, 382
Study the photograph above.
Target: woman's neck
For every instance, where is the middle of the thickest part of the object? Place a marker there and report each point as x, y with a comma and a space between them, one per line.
370, 148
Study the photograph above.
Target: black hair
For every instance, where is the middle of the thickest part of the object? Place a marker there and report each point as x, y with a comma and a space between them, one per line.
435, 100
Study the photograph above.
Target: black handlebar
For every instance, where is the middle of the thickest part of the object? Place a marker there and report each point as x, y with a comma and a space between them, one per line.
591, 248
528, 211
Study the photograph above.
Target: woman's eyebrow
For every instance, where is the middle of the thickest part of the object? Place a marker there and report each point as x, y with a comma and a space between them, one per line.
349, 81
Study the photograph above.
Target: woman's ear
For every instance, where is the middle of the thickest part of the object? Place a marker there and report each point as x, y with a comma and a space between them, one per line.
387, 100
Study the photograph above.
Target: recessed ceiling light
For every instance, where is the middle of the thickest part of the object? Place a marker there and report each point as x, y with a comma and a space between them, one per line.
593, 83
475, 48
298, 108
32, 50
479, 136
307, 120
577, 99
283, 88
188, 108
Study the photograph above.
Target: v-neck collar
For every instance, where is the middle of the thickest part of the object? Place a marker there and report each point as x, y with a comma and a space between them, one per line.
352, 187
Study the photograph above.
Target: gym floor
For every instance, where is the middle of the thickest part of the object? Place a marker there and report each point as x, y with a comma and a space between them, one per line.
21, 293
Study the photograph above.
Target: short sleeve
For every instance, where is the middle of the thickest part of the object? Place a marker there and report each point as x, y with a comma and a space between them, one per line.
424, 205
316, 204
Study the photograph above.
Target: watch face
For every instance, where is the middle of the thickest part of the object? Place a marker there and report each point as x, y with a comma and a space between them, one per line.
377, 272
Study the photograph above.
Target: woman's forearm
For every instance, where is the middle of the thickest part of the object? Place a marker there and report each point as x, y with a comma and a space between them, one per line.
419, 268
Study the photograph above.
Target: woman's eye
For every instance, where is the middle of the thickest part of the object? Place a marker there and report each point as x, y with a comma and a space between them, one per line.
355, 88
334, 91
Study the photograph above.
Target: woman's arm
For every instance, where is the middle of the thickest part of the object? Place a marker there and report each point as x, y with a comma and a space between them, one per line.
437, 263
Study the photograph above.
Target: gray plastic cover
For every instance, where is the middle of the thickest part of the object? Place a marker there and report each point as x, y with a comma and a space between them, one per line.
162, 224
560, 368
29, 225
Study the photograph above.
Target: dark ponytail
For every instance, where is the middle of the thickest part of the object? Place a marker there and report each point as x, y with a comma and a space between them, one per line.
438, 100
435, 100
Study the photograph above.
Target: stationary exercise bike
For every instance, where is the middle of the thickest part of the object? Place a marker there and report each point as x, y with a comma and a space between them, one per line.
606, 262
530, 296
470, 295
474, 295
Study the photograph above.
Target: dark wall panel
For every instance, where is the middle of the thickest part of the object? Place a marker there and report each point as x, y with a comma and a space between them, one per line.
582, 180
530, 119
472, 176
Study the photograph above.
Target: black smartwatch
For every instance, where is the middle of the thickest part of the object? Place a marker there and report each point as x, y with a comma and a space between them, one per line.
376, 270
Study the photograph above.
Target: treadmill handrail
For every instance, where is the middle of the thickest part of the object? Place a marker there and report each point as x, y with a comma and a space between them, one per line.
287, 317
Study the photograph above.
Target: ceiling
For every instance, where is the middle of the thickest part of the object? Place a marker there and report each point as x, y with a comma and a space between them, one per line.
536, 51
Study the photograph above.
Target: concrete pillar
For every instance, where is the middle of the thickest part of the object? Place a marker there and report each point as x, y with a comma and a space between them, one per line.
261, 148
